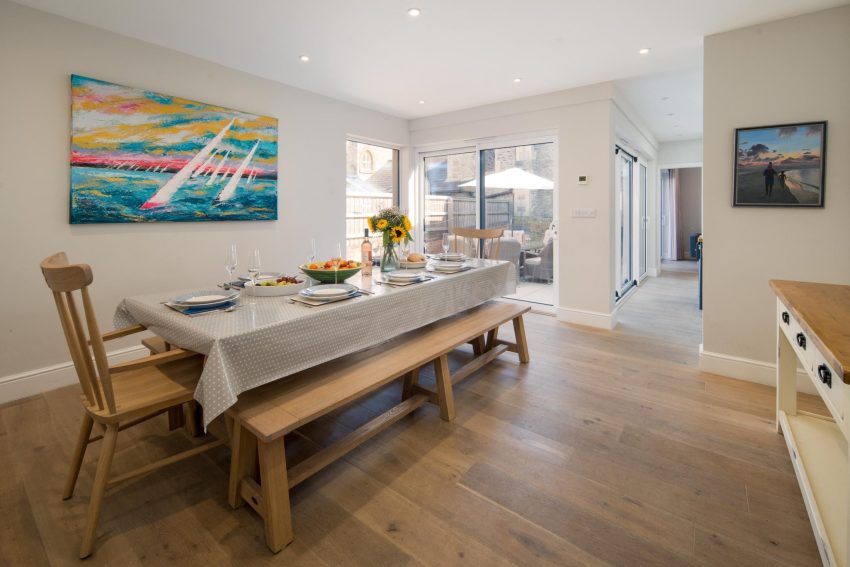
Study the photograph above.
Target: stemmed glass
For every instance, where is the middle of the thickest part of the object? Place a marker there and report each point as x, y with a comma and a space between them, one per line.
446, 244
336, 262
312, 253
254, 266
230, 263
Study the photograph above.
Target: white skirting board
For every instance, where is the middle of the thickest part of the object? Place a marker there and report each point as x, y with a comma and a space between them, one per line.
749, 370
25, 384
587, 318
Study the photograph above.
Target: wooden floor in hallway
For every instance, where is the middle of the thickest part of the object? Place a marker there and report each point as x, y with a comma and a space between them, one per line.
609, 448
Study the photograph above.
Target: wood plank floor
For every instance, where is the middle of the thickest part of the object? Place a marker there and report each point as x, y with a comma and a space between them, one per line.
610, 448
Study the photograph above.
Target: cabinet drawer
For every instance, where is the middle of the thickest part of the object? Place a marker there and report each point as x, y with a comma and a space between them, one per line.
830, 385
796, 335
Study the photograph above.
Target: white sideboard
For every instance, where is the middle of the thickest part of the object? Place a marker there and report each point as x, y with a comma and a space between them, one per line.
813, 329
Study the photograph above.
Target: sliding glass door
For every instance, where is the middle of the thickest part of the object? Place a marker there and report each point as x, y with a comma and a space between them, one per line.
510, 187
623, 274
643, 219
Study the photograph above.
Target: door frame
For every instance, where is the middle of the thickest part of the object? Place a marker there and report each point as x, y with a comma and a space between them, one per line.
491, 143
658, 228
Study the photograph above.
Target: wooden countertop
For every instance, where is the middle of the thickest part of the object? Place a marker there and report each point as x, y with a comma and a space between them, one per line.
823, 310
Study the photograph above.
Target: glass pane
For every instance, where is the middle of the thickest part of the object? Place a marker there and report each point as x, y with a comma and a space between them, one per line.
371, 183
623, 228
518, 195
450, 201
643, 219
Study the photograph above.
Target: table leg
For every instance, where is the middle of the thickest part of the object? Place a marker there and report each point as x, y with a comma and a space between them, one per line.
786, 377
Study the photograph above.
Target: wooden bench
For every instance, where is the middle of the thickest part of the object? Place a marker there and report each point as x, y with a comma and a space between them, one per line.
258, 472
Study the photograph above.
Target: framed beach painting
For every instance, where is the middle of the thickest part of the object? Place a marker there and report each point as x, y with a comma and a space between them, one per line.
780, 166
141, 156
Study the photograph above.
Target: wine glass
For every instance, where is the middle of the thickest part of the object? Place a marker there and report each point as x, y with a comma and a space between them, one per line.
254, 266
312, 256
230, 263
337, 261
446, 243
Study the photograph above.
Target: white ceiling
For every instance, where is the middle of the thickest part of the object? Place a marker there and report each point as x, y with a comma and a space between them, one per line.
669, 103
457, 54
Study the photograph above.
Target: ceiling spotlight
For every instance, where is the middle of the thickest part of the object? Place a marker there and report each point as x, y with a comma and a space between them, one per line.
414, 12
644, 51
304, 58
665, 98
675, 125
669, 114
518, 80
421, 102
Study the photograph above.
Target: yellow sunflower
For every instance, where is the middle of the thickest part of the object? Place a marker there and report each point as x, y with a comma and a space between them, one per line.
406, 222
398, 233
370, 224
382, 224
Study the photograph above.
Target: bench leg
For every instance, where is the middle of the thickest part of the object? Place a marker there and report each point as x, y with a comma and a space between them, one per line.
275, 489
492, 337
445, 395
243, 462
411, 380
478, 345
521, 341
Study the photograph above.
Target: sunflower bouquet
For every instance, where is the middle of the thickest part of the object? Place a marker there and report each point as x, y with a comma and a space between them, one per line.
395, 227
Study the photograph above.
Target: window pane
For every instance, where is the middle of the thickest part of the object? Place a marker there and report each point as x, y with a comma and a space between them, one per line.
449, 196
371, 183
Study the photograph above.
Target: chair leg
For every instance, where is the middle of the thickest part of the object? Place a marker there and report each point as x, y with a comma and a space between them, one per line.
77, 457
445, 395
521, 340
411, 379
104, 463
275, 488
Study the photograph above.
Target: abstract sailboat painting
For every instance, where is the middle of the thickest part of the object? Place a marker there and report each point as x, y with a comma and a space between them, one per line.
140, 156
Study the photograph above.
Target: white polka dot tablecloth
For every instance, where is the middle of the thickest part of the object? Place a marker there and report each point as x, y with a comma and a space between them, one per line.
269, 338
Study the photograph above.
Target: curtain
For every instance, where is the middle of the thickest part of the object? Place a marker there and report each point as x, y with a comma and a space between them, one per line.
672, 216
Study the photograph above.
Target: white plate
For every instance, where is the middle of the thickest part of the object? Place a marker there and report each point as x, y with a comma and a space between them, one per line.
448, 266
274, 290
329, 291
404, 275
262, 276
202, 298
451, 256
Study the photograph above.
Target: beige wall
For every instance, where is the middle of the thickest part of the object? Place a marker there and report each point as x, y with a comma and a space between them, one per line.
690, 207
38, 52
788, 71
587, 122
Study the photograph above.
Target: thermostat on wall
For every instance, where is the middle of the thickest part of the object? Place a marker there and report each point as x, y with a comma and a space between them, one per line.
582, 179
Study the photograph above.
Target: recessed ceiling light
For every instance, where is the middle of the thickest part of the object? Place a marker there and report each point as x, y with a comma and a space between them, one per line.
665, 98
414, 12
669, 114
518, 80
304, 58
644, 50
421, 102
675, 125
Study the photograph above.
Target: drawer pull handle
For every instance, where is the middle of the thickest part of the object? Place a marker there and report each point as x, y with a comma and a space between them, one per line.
786, 318
825, 375
801, 341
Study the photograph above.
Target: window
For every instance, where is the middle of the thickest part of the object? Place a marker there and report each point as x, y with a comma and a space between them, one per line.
366, 162
450, 201
371, 183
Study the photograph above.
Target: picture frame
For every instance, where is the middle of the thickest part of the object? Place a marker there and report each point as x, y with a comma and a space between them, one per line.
782, 165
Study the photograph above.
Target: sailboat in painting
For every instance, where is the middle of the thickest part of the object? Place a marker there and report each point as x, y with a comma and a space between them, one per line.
139, 156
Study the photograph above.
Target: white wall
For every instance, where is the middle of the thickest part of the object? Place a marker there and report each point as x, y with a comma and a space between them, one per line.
587, 122
788, 71
679, 154
38, 52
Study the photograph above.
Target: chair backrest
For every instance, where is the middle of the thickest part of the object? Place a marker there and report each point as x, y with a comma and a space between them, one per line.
64, 279
489, 238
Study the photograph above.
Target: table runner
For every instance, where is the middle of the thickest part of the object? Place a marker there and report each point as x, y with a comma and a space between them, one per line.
269, 338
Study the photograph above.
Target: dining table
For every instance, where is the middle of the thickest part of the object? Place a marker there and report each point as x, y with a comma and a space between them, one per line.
265, 339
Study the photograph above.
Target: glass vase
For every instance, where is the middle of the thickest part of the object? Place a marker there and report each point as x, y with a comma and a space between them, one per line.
389, 257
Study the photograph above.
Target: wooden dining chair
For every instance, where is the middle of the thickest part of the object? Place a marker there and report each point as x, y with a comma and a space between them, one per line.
115, 397
478, 242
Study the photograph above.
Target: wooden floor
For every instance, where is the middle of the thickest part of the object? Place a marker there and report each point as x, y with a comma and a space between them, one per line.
609, 448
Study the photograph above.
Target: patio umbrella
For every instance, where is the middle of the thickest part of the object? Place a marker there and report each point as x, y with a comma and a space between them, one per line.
513, 178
